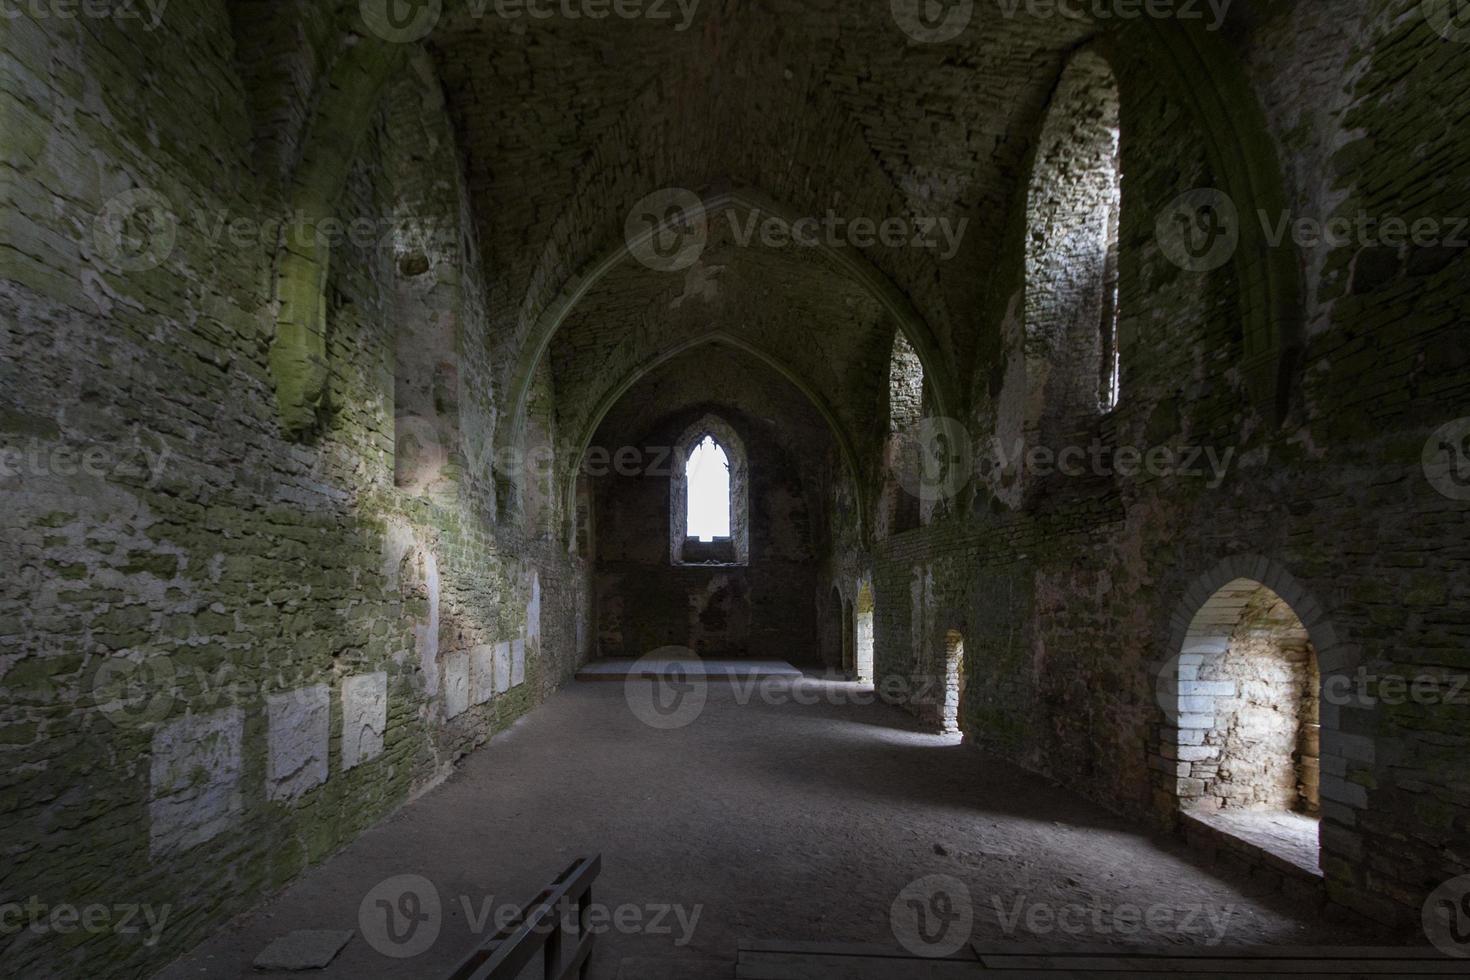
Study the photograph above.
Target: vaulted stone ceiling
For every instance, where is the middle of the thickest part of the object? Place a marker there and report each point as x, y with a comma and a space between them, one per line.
821, 106
791, 304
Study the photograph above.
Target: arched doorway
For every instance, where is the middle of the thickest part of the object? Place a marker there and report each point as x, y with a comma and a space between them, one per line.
1242, 699
849, 639
953, 716
833, 629
863, 665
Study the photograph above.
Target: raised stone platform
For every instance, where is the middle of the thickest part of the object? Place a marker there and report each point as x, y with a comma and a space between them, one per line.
1276, 841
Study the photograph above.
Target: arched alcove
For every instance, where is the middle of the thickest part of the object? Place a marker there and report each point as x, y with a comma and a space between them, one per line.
833, 631
1072, 354
849, 637
1245, 739
899, 509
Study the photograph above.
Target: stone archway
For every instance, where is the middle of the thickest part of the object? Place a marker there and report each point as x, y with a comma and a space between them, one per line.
833, 632
1245, 742
864, 659
953, 714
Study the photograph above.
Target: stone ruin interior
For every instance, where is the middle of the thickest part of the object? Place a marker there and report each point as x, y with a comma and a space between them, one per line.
734, 488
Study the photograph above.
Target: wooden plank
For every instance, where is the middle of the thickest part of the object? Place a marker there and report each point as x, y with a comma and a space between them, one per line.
510, 950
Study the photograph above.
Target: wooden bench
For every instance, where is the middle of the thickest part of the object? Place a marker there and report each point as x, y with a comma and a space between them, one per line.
539, 929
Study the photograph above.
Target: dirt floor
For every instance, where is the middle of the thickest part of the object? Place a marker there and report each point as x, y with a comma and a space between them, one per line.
767, 821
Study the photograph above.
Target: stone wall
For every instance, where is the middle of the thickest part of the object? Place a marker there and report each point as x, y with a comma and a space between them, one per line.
276, 516
228, 651
1073, 597
764, 607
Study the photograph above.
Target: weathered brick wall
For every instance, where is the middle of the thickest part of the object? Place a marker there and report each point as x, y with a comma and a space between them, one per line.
308, 645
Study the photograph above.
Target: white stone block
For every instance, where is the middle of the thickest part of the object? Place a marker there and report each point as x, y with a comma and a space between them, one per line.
194, 780
533, 612
364, 718
518, 663
1197, 753
482, 673
298, 734
1195, 705
456, 684
1207, 688
502, 667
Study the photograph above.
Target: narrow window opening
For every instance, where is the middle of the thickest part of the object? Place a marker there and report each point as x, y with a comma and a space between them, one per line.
708, 482
1113, 383
1072, 297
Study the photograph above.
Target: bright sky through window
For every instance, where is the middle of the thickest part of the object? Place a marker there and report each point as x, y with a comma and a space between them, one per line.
709, 491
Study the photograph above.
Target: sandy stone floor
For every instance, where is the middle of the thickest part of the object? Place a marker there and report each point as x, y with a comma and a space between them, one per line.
767, 821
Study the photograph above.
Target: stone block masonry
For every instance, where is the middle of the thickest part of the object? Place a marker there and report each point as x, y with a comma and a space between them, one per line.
269, 573
308, 633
